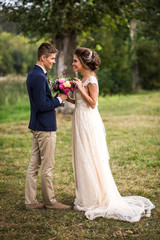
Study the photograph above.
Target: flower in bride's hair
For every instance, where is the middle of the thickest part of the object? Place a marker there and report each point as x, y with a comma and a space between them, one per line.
90, 55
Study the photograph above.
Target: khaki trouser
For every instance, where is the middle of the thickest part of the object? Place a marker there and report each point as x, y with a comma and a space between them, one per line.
43, 149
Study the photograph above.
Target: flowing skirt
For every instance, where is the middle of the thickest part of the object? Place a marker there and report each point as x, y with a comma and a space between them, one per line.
96, 191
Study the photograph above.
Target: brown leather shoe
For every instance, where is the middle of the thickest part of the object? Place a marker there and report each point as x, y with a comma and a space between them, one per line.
57, 205
34, 206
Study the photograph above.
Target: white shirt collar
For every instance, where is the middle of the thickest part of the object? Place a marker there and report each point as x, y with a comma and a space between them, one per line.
44, 70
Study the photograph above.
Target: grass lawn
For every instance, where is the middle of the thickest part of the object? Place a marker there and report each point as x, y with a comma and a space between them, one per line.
132, 125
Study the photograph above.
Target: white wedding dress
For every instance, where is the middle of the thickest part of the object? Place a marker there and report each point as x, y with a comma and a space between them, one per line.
96, 191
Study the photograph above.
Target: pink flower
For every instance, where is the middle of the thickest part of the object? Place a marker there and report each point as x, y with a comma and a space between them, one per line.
61, 86
66, 90
61, 80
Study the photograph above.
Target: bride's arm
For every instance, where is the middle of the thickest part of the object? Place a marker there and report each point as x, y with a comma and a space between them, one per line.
71, 100
91, 96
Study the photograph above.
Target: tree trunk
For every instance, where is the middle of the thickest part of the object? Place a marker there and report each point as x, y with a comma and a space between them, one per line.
66, 46
134, 68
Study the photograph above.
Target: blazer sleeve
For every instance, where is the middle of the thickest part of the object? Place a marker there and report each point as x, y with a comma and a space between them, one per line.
41, 101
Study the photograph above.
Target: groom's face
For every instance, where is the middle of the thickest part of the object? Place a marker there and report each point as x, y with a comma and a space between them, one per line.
48, 61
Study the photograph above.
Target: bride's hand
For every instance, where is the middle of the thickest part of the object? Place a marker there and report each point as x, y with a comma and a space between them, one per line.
78, 83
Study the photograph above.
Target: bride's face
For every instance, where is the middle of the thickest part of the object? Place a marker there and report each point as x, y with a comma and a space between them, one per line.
77, 66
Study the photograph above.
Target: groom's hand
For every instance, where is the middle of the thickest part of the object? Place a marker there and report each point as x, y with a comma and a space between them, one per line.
62, 96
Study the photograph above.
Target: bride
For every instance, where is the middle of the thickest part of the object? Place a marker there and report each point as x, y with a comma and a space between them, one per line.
96, 191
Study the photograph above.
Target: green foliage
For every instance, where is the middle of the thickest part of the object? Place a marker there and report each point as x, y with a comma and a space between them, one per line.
113, 48
149, 15
63, 16
103, 26
17, 54
148, 57
7, 26
117, 55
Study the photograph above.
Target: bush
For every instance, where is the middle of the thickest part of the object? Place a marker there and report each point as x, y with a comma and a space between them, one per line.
148, 55
17, 55
113, 81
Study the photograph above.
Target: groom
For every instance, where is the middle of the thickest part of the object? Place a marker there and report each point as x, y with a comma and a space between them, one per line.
43, 127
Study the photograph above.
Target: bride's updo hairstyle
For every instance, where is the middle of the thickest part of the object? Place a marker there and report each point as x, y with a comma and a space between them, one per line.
88, 58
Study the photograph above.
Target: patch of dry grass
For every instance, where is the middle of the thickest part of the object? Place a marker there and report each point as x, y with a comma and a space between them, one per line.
133, 142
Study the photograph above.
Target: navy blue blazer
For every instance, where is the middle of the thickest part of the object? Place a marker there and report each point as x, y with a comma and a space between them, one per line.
42, 104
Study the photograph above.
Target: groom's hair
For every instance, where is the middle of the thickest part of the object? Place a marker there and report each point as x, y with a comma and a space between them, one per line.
46, 49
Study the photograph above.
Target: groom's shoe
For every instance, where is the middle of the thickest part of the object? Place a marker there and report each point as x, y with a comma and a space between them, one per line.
57, 205
34, 206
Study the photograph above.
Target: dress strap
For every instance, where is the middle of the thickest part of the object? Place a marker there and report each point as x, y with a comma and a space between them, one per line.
92, 80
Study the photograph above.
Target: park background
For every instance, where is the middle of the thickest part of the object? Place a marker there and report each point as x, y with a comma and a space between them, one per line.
125, 34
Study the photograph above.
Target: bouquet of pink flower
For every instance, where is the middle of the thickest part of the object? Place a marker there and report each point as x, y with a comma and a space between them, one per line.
63, 85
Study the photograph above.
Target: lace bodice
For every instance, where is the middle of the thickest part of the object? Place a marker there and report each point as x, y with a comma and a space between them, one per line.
80, 101
92, 80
